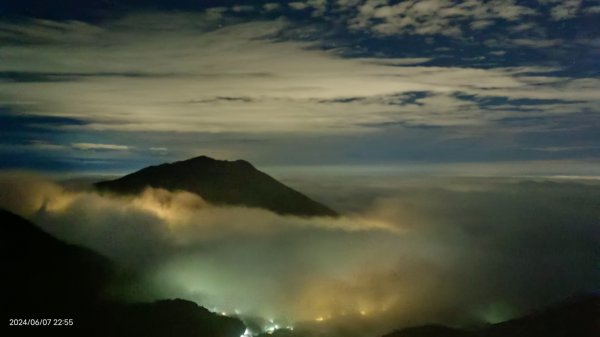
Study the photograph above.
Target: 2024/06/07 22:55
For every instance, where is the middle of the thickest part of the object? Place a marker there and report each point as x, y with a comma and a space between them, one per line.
40, 322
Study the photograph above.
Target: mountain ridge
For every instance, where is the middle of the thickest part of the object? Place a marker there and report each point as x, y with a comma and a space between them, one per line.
220, 182
574, 316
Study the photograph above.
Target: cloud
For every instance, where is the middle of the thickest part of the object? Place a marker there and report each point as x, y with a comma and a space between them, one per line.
434, 17
592, 10
239, 76
176, 211
565, 9
396, 61
240, 9
99, 147
408, 252
298, 5
287, 81
47, 146
318, 7
538, 43
481, 24
271, 6
563, 148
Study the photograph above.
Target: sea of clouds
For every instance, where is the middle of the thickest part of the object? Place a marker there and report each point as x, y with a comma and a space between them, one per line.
406, 251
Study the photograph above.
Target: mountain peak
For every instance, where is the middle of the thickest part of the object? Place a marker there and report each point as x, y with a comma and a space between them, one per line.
221, 182
200, 159
206, 160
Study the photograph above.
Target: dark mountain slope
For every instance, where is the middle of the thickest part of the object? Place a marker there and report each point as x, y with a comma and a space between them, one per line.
576, 317
48, 279
431, 331
46, 276
165, 318
222, 183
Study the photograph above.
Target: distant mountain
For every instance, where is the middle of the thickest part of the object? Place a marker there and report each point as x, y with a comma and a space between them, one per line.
578, 316
222, 183
575, 317
431, 331
46, 278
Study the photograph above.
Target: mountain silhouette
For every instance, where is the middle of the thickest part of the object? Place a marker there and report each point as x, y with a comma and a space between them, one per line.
432, 330
574, 317
47, 278
220, 182
577, 316
165, 318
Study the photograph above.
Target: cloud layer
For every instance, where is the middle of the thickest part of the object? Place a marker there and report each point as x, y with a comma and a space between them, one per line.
265, 75
235, 78
411, 251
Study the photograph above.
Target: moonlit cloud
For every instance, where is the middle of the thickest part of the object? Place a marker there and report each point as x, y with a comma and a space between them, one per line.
564, 9
537, 43
434, 16
337, 71
271, 6
316, 6
46, 146
99, 147
159, 149
278, 81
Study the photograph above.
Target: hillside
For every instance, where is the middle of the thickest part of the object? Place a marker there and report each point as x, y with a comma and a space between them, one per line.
220, 182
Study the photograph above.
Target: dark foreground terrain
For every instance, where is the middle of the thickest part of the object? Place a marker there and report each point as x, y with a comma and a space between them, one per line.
48, 279
575, 317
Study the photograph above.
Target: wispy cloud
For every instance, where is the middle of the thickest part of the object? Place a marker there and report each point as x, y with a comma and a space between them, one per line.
241, 73
564, 9
99, 147
238, 78
537, 43
432, 17
47, 146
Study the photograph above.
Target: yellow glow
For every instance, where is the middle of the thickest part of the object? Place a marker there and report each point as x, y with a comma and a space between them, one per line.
172, 207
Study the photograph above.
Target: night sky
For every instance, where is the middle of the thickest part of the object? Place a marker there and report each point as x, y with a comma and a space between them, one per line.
108, 86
